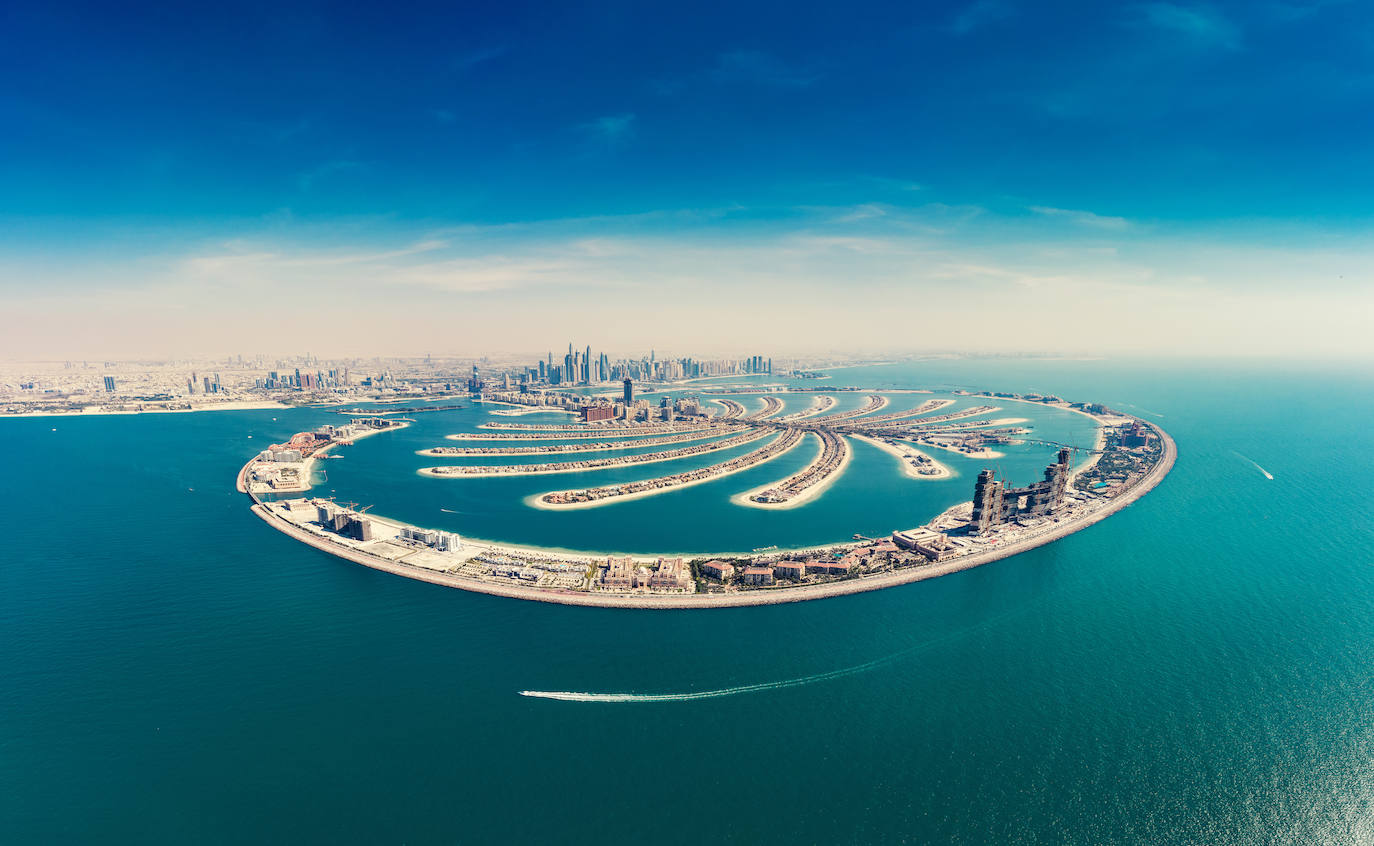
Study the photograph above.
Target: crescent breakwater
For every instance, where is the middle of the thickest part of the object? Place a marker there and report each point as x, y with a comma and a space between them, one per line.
289, 521
1135, 456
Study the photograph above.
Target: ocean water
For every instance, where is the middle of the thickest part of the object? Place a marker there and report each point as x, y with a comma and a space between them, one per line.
1196, 669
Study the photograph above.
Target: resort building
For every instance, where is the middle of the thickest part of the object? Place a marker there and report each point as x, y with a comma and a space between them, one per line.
671, 574
619, 575
995, 504
757, 576
933, 545
718, 570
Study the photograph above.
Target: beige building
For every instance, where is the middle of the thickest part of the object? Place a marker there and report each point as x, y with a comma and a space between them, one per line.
718, 570
671, 574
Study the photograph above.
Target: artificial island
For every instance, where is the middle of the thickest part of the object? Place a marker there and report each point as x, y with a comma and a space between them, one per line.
1080, 485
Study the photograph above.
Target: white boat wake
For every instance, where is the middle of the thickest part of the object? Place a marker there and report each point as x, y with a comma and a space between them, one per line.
571, 696
1138, 408
575, 696
1255, 464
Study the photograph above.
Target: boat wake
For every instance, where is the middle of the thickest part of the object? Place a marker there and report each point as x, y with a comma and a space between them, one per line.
570, 696
1138, 408
450, 511
574, 696
1255, 464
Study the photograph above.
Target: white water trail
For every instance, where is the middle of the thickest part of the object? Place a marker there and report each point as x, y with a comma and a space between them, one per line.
1255, 464
575, 696
1138, 408
450, 511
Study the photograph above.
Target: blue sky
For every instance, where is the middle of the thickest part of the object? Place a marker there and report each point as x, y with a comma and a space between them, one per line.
575, 162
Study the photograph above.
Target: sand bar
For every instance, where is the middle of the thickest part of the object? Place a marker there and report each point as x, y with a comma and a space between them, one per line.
904, 452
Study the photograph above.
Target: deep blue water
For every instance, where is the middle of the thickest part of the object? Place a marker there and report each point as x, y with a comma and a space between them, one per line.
1198, 668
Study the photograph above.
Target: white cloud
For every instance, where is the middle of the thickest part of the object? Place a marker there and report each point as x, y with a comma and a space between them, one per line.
700, 283
1084, 218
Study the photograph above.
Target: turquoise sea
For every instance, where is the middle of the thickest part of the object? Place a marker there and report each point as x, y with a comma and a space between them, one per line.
1196, 669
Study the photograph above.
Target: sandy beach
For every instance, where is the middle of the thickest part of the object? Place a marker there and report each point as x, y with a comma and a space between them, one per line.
978, 424
903, 454
526, 435
536, 500
983, 453
478, 471
805, 496
570, 449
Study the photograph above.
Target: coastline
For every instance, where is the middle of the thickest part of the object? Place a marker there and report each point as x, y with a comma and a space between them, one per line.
901, 454
569, 449
805, 496
624, 461
984, 453
233, 405
798, 593
518, 410
536, 500
956, 426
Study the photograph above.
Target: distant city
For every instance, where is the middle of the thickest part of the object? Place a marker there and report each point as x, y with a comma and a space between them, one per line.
258, 381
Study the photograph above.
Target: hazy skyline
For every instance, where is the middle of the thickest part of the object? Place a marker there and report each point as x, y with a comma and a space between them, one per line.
1142, 178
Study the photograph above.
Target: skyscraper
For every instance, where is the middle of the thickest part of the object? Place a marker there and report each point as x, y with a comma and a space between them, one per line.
629, 392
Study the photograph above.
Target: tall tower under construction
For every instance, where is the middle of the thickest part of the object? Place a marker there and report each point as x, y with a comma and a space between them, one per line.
987, 503
994, 503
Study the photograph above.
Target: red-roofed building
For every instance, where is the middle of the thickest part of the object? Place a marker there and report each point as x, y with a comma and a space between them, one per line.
718, 570
757, 576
